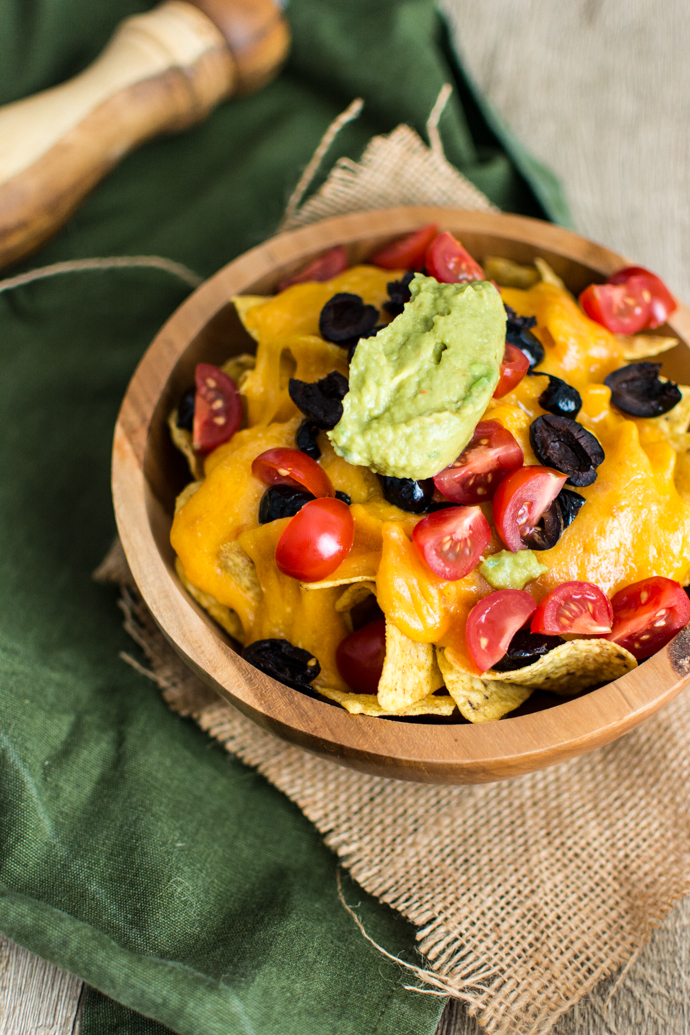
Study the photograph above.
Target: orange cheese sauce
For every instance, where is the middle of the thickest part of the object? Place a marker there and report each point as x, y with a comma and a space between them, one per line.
635, 522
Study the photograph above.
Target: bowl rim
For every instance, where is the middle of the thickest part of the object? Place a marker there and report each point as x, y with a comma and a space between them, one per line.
405, 750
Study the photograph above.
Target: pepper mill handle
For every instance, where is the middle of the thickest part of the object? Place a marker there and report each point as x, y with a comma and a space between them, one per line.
161, 72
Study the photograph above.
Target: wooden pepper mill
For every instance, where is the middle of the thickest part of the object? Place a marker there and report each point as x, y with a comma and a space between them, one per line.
161, 72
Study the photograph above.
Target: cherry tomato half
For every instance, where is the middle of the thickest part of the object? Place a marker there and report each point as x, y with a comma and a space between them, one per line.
521, 499
360, 655
573, 607
449, 263
513, 368
451, 541
217, 409
407, 252
647, 614
621, 308
327, 266
492, 623
284, 466
663, 302
491, 454
317, 540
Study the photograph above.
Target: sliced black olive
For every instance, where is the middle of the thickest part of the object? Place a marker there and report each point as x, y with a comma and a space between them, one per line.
281, 501
570, 503
564, 444
343, 496
306, 439
408, 494
320, 401
185, 410
547, 531
283, 661
520, 321
399, 294
560, 398
518, 333
345, 316
638, 390
526, 648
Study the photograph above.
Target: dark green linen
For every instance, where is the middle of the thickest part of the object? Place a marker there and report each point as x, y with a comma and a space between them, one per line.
133, 851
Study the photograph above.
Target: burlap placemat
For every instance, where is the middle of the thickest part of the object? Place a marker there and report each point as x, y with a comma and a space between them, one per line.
525, 894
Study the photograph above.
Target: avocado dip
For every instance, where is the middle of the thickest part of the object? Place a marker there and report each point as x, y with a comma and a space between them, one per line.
420, 386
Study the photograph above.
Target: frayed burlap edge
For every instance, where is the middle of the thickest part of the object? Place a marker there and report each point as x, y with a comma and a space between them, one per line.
525, 894
397, 169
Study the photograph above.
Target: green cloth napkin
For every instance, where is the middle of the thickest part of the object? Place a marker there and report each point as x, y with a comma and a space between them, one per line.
134, 851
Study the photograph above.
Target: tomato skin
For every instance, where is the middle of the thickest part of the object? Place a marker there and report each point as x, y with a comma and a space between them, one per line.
521, 499
317, 540
490, 455
621, 308
450, 263
573, 607
663, 302
284, 466
407, 252
492, 623
217, 409
639, 607
513, 368
360, 656
327, 266
451, 541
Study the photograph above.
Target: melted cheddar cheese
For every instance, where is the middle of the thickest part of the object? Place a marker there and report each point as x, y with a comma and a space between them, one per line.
636, 521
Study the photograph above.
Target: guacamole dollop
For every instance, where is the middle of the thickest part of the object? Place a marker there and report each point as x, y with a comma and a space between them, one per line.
506, 570
420, 386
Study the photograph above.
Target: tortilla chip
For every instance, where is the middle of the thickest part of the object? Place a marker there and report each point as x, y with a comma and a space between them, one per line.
183, 440
479, 700
239, 565
336, 582
225, 616
674, 424
642, 346
367, 704
243, 303
409, 672
188, 491
571, 667
238, 367
511, 274
548, 276
355, 594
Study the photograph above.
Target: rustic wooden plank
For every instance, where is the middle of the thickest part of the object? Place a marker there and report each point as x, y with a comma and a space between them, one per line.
36, 998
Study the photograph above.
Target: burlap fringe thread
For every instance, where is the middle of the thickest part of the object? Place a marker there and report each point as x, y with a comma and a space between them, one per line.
557, 878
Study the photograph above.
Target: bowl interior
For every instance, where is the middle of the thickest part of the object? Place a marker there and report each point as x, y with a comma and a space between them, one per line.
207, 328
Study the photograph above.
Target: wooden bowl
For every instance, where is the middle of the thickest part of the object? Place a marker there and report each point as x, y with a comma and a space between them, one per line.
148, 473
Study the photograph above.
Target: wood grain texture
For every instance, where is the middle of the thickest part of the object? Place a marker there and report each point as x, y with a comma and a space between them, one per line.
36, 998
146, 480
162, 72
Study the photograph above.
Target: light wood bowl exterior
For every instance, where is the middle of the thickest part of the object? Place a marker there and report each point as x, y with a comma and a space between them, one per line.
148, 474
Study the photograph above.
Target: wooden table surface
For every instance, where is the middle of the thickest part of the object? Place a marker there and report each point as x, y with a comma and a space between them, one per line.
600, 91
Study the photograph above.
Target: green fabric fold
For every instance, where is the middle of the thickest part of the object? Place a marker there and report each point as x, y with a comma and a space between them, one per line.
133, 851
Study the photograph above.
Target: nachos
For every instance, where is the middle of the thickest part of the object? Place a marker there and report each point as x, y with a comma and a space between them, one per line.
427, 494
